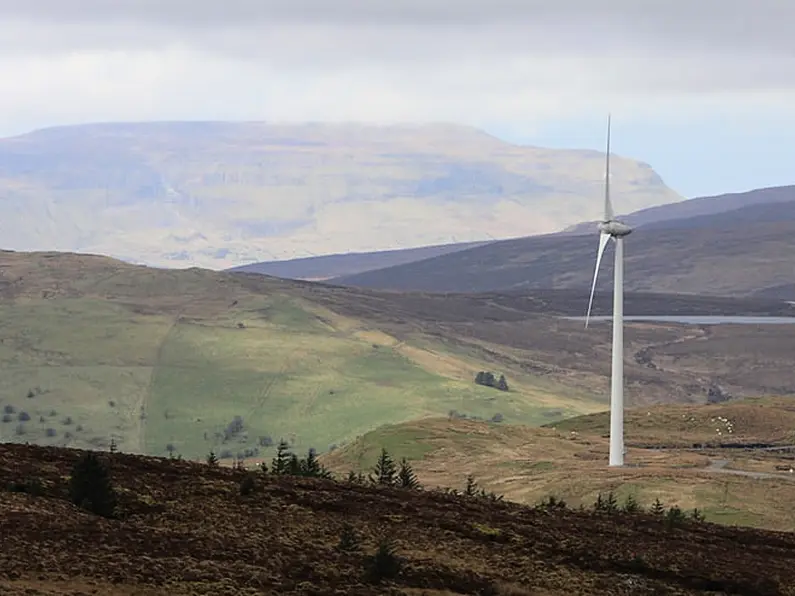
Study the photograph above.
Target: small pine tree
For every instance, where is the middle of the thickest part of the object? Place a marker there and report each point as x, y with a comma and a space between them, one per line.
263, 468
90, 487
294, 467
113, 446
384, 471
281, 463
384, 564
311, 467
471, 488
212, 459
657, 507
697, 516
631, 505
674, 517
406, 477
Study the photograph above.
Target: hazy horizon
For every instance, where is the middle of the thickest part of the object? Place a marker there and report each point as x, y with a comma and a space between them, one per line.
702, 92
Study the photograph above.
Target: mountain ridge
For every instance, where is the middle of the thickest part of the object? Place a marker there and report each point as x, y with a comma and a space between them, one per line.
218, 194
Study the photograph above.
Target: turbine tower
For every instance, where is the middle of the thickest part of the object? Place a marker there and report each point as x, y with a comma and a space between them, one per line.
609, 228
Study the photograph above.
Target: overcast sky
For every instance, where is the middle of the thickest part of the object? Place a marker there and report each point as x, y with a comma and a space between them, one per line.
698, 88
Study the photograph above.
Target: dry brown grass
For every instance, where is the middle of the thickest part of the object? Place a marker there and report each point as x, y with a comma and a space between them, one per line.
529, 464
185, 529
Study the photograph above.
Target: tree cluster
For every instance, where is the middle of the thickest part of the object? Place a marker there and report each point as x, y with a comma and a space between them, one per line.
608, 504
487, 379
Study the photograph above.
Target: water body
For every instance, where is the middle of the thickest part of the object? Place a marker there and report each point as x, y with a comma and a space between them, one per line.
697, 319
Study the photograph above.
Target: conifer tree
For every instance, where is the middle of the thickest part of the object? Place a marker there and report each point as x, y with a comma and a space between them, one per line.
406, 477
281, 462
385, 472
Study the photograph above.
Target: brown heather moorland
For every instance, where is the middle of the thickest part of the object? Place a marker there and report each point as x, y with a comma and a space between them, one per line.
185, 528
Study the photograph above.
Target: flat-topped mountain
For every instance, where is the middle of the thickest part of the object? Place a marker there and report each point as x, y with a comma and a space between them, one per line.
221, 194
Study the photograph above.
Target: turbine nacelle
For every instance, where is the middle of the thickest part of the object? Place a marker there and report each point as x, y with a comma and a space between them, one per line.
614, 228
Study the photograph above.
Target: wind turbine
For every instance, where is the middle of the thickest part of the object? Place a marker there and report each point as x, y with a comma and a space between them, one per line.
609, 228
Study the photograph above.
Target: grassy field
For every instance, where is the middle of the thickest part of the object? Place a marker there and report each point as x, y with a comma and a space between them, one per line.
529, 464
162, 362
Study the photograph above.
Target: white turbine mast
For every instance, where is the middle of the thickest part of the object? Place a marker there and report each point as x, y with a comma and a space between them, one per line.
609, 228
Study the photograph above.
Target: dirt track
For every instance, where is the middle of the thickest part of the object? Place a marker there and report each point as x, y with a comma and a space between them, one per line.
187, 530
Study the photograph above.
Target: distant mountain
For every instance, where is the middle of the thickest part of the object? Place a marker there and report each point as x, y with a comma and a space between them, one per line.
328, 266
743, 252
674, 215
221, 194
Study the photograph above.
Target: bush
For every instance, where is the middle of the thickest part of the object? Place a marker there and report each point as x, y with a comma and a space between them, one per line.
90, 487
23, 417
349, 542
212, 459
8, 409
31, 394
384, 564
7, 418
31, 486
247, 485
50, 432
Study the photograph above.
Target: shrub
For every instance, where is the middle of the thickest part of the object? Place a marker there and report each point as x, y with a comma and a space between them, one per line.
348, 540
497, 417
31, 486
23, 416
212, 459
50, 432
384, 564
67, 421
247, 485
90, 487
8, 409
31, 394
7, 418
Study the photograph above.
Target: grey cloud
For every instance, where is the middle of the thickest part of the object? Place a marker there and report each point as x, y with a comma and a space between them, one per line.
644, 45
738, 23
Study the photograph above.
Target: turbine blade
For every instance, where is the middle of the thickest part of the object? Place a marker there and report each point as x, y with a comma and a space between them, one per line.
603, 240
608, 215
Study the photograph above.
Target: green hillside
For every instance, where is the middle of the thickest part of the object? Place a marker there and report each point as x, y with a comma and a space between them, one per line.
164, 361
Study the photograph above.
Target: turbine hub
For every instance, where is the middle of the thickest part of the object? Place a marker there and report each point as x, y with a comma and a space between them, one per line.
615, 228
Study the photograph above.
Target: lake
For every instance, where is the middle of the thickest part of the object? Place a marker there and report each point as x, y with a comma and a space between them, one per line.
696, 319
